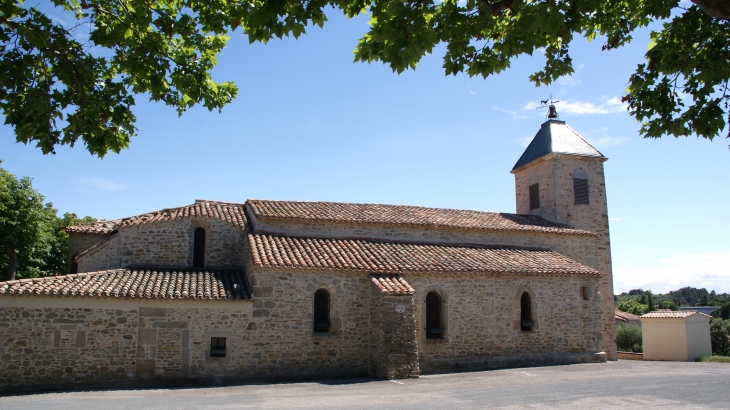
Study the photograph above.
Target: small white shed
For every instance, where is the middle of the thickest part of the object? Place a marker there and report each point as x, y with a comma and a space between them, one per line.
676, 336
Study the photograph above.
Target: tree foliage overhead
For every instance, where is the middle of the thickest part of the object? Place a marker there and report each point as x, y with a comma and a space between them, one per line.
56, 89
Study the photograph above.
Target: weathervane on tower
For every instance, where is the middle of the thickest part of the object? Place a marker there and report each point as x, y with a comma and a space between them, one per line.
552, 112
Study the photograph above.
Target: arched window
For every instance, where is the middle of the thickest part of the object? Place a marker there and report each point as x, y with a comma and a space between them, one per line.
526, 322
534, 196
199, 248
321, 311
434, 329
580, 187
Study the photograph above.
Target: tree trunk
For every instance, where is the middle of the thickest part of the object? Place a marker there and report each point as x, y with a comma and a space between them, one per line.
13, 259
719, 9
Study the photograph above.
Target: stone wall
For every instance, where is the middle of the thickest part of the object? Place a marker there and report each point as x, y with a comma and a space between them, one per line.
481, 315
171, 243
555, 176
103, 256
79, 242
64, 341
283, 319
393, 347
66, 345
165, 244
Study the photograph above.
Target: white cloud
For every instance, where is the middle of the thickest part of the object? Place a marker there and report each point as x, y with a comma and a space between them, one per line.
614, 219
471, 92
603, 142
568, 81
598, 138
703, 270
515, 113
607, 106
100, 184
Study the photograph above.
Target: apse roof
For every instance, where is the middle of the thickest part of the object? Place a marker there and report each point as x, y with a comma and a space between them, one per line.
556, 137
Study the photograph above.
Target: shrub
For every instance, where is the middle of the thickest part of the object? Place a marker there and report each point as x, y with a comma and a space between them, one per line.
668, 304
720, 337
628, 338
723, 312
633, 307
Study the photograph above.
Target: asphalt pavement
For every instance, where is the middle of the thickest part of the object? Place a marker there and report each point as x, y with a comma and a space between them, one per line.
615, 385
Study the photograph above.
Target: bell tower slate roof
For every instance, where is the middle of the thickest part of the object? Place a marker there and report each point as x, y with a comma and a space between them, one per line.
556, 137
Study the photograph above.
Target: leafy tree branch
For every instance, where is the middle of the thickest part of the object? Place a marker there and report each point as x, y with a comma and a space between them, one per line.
55, 90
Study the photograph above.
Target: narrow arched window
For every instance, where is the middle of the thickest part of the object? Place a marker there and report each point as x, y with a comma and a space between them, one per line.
321, 311
434, 319
580, 187
199, 248
526, 322
534, 196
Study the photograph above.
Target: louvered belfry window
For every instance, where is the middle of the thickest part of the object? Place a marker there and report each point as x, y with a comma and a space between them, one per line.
434, 329
199, 248
534, 196
580, 187
321, 311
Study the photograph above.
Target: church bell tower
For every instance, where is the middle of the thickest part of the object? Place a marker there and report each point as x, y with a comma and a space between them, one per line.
560, 178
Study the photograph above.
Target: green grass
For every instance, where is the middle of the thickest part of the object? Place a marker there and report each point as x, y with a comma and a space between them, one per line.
714, 359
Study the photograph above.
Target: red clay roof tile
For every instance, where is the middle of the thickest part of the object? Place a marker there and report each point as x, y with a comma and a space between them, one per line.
404, 215
394, 258
230, 213
221, 284
662, 314
392, 285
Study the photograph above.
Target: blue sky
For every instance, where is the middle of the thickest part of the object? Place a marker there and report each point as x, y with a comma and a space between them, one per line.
309, 124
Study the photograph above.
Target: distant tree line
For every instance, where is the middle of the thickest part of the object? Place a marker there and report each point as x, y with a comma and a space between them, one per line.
32, 240
639, 302
673, 300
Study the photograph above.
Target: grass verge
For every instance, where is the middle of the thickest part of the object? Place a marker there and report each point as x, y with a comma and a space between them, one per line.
714, 359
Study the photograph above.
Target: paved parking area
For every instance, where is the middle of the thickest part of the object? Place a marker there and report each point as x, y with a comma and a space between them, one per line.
614, 385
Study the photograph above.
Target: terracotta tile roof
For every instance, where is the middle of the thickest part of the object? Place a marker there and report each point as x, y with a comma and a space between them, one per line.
394, 258
624, 316
392, 285
230, 213
405, 215
96, 228
662, 313
138, 284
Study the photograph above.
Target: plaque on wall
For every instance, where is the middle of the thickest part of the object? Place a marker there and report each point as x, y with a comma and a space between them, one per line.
400, 308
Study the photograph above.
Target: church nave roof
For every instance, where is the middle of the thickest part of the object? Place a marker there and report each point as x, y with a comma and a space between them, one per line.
396, 258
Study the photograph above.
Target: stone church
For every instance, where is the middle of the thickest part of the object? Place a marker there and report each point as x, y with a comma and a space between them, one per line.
265, 290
